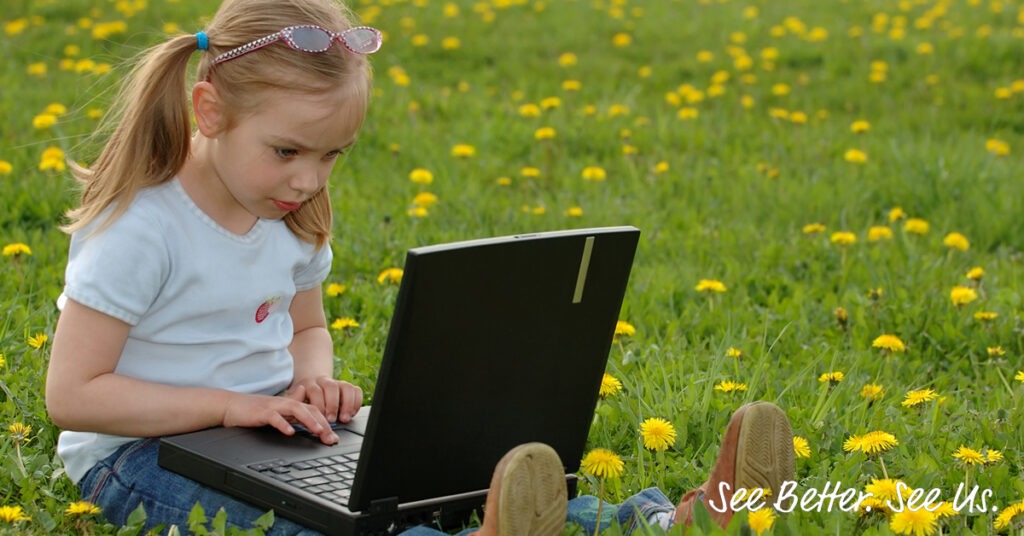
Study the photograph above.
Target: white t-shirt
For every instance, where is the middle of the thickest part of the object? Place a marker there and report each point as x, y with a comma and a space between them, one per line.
208, 308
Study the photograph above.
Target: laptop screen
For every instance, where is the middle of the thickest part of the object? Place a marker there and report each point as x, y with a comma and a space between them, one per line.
493, 343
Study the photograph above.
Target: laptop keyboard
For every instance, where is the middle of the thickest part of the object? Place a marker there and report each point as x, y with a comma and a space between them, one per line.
329, 477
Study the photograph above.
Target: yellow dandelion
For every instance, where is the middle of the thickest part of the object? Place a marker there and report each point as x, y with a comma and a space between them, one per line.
997, 147
424, 199
52, 160
660, 167
872, 391
1020, 376
831, 377
878, 233
995, 351
1005, 517
344, 323
37, 69
657, 434
390, 275
855, 156
916, 226
885, 489
914, 522
421, 176
734, 352
843, 238
985, 316
13, 514
761, 520
969, 456
890, 343
687, 113
602, 463
625, 329
610, 386
544, 133
896, 214
549, 103
918, 397
574, 211
860, 126
961, 295
530, 172
529, 110
710, 285
801, 448
993, 456
5, 168
463, 150
871, 442
976, 273
38, 340
44, 121
841, 316
417, 211
334, 290
956, 241
82, 508
813, 228
19, 432
872, 504
729, 386
451, 43
567, 59
16, 250
943, 509
594, 173
622, 39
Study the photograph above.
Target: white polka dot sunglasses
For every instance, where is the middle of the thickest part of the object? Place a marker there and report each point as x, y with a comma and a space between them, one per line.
311, 38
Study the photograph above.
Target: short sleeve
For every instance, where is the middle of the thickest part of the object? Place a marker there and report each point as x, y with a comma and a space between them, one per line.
119, 270
314, 273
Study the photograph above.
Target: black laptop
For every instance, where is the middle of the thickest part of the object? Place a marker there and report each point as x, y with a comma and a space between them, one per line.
493, 343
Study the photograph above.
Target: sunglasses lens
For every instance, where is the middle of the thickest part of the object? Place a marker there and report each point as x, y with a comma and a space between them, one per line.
311, 39
362, 40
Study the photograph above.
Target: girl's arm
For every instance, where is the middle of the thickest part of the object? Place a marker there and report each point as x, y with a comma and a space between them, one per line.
84, 393
313, 353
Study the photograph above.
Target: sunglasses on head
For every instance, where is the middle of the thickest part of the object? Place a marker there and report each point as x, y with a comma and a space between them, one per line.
311, 38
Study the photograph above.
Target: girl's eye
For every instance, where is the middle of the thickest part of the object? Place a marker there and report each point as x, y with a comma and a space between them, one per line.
285, 153
332, 155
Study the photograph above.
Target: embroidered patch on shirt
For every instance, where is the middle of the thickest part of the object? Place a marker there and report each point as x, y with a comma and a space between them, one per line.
267, 307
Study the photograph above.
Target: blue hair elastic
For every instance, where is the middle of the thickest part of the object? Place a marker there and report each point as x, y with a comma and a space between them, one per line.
203, 41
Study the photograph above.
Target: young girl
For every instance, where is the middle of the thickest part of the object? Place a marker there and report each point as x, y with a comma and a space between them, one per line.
193, 285
192, 295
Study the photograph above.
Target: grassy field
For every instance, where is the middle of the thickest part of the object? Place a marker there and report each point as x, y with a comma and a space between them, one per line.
834, 171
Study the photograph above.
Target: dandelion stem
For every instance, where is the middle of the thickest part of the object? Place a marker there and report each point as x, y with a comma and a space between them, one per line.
21, 462
600, 506
881, 462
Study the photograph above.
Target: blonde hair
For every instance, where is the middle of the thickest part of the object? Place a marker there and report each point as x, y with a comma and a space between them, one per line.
151, 118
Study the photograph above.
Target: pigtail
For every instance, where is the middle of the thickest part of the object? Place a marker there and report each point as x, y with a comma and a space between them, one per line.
151, 134
312, 222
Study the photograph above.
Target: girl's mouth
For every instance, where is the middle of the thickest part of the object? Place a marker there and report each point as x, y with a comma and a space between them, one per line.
286, 206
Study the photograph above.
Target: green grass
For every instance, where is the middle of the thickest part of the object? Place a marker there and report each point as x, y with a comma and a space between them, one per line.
740, 185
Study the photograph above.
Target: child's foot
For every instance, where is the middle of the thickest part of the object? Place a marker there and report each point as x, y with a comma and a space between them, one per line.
527, 495
756, 452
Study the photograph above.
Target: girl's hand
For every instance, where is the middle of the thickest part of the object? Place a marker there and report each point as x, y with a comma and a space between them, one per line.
279, 412
336, 400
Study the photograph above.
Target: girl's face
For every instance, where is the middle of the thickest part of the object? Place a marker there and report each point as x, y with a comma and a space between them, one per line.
271, 161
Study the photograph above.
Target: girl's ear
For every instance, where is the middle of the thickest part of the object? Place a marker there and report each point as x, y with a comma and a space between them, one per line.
209, 109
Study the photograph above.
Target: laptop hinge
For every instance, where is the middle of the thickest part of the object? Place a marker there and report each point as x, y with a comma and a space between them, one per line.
381, 506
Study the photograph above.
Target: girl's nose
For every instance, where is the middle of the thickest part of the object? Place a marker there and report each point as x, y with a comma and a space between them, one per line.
307, 182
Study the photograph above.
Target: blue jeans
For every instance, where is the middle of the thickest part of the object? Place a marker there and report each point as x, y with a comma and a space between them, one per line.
131, 476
